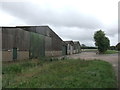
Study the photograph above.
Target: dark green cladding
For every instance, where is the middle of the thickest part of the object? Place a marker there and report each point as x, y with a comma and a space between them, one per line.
14, 53
37, 45
64, 50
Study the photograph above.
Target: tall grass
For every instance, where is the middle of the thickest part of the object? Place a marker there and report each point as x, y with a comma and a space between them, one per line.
60, 74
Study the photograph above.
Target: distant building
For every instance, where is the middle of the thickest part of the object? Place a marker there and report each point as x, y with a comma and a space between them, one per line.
70, 47
24, 42
77, 47
118, 46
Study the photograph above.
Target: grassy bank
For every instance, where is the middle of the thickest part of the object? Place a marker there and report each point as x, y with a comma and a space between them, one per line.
59, 74
111, 52
95, 50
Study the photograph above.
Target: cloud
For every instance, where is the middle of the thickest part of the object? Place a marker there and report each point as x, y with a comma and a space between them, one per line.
75, 33
37, 15
6, 19
71, 21
114, 39
112, 29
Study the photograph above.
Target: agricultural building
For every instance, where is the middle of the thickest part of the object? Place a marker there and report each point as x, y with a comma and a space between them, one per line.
70, 47
77, 47
24, 42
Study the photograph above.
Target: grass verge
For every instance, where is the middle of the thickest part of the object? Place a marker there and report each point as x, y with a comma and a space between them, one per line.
59, 74
111, 52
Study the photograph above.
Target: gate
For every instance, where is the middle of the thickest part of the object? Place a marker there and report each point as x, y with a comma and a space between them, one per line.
64, 50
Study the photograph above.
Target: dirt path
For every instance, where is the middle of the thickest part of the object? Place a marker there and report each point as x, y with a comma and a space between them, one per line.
112, 58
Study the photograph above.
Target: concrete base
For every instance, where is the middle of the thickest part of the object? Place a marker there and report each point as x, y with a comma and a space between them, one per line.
53, 53
23, 55
8, 56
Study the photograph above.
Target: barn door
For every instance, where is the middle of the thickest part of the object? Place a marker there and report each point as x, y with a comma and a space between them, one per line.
14, 53
37, 45
64, 50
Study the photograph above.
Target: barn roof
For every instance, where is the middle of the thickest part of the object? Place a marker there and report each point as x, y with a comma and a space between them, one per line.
43, 30
69, 42
76, 42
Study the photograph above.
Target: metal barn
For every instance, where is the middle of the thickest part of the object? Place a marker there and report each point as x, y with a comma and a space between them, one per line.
23, 42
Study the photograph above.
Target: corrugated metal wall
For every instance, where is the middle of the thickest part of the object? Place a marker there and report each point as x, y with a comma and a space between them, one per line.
56, 44
48, 43
15, 37
53, 43
64, 50
37, 45
7, 39
15, 42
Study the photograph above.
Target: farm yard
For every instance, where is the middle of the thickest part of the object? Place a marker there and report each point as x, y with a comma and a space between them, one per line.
59, 44
36, 42
84, 70
41, 59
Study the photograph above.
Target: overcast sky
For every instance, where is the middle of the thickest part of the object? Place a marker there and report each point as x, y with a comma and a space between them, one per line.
70, 19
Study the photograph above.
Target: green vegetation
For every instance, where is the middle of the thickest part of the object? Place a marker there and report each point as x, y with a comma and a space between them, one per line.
101, 41
111, 52
59, 74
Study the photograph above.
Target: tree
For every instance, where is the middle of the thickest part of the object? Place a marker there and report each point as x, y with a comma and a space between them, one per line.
101, 41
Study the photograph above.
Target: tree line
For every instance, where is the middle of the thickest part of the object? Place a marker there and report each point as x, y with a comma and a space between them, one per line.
102, 43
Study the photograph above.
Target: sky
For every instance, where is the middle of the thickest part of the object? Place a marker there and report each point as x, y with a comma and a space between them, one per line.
75, 20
